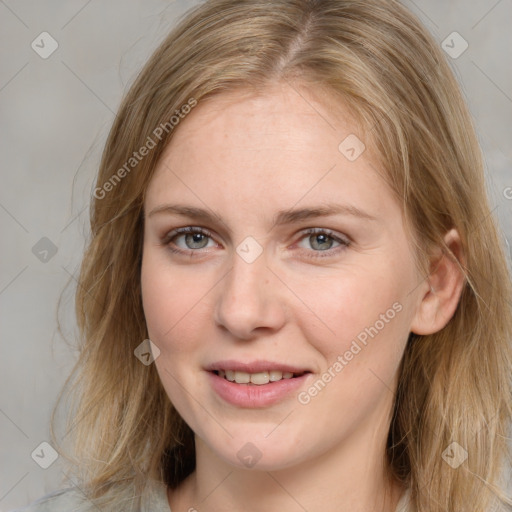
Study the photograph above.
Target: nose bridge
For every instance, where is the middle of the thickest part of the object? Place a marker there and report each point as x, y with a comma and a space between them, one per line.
248, 297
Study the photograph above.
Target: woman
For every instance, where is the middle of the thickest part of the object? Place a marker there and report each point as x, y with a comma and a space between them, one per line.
291, 207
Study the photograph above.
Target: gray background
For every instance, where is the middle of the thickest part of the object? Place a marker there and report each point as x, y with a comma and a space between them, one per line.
55, 115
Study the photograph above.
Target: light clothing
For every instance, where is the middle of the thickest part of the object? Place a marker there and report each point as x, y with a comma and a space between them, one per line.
154, 500
404, 504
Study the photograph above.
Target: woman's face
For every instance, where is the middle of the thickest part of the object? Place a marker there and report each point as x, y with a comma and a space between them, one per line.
296, 262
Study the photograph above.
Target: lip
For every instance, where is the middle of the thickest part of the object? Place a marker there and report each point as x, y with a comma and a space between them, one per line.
253, 396
254, 366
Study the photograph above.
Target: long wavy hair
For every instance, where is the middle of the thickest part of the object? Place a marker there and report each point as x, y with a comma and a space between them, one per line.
376, 57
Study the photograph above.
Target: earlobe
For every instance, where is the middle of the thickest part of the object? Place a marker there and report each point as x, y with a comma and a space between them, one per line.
442, 288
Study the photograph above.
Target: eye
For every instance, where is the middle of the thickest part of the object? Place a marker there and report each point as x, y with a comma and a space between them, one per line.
323, 240
187, 240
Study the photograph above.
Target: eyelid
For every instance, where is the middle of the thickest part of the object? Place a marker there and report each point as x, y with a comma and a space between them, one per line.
343, 240
167, 239
184, 230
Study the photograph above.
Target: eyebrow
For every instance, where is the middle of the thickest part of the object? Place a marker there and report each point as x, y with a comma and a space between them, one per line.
282, 217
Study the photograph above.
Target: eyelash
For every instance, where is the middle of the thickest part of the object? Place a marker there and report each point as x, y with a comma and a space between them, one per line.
344, 243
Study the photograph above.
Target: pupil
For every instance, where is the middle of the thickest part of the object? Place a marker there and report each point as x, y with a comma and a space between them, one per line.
321, 241
195, 240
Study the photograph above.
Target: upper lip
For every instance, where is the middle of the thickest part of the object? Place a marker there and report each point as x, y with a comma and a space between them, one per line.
254, 366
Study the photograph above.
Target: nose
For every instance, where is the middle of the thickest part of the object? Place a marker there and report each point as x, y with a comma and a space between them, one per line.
249, 299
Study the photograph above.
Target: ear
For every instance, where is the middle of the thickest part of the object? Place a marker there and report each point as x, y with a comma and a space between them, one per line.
442, 288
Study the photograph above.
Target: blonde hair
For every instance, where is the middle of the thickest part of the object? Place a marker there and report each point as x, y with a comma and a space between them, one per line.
454, 385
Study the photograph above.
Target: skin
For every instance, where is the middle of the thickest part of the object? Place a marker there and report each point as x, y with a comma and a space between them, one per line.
245, 157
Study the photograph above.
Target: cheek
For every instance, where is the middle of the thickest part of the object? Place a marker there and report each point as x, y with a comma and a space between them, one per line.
361, 316
369, 316
173, 301
175, 314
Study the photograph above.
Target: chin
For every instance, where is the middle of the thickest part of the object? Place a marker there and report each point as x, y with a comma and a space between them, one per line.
256, 453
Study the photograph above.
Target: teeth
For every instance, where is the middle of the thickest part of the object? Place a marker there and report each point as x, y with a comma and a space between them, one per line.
242, 377
275, 375
259, 378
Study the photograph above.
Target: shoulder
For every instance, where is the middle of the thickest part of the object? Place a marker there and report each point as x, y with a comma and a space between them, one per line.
153, 499
64, 500
404, 504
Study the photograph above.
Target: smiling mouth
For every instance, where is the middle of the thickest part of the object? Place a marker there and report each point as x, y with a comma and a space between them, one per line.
259, 378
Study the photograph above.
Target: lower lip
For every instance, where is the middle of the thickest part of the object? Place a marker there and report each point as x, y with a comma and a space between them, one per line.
253, 395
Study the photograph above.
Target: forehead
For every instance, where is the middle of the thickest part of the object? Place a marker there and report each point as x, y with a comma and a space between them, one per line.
280, 116
268, 149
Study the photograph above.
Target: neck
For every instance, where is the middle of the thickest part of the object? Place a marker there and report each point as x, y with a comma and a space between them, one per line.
350, 478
